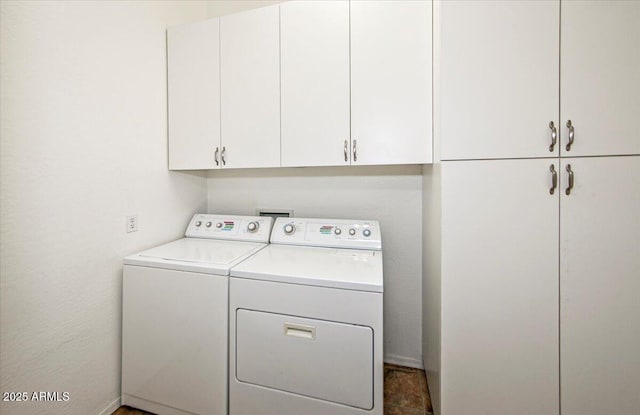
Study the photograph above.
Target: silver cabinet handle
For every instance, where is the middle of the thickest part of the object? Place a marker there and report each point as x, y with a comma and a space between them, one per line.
346, 151
355, 150
224, 161
554, 179
568, 191
571, 135
216, 156
554, 135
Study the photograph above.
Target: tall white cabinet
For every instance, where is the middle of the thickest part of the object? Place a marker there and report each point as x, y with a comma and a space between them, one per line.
599, 218
539, 245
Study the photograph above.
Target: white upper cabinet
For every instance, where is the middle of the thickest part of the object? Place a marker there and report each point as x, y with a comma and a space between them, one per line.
600, 77
303, 83
250, 88
499, 78
315, 83
391, 82
194, 94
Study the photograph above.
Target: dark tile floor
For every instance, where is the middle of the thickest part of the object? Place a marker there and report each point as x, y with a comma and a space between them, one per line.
405, 393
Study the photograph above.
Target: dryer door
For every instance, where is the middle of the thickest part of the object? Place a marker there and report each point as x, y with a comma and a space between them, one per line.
316, 358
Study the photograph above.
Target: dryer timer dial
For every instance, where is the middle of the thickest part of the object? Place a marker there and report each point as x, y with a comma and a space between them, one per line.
289, 229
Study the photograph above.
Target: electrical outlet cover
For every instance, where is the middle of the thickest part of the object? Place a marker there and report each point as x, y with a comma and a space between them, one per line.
132, 223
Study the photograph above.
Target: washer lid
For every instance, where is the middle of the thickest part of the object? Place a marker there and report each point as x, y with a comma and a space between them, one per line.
350, 269
209, 256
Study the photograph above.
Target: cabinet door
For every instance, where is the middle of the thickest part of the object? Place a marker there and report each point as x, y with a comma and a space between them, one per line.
601, 77
499, 78
600, 287
315, 83
499, 288
250, 87
391, 82
194, 94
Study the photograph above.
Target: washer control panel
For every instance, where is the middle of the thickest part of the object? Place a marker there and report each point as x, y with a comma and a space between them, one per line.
336, 233
239, 228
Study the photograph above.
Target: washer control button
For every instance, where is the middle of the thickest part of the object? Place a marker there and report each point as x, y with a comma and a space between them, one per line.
253, 226
289, 229
366, 233
337, 231
352, 231
208, 224
198, 223
218, 225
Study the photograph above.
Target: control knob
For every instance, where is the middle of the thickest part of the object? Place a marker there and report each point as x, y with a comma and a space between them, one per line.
208, 224
219, 225
366, 232
289, 229
198, 223
352, 231
337, 231
253, 226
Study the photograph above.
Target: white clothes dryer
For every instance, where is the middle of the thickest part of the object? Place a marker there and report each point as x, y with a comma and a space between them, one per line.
306, 321
174, 316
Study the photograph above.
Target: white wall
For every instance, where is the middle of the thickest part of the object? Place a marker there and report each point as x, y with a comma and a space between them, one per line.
392, 195
83, 144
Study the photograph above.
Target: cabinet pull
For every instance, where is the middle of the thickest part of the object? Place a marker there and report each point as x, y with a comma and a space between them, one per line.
224, 161
554, 135
571, 135
346, 151
568, 191
554, 179
355, 150
216, 156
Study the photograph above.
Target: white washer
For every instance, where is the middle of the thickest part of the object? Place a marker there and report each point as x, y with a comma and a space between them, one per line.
174, 316
306, 321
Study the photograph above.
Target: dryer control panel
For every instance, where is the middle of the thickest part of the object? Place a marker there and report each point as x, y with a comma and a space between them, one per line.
336, 233
227, 227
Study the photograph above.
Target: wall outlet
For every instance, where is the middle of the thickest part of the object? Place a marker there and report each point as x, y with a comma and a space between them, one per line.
132, 223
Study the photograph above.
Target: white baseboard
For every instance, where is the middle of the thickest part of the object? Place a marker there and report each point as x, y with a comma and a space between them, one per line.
403, 361
111, 408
